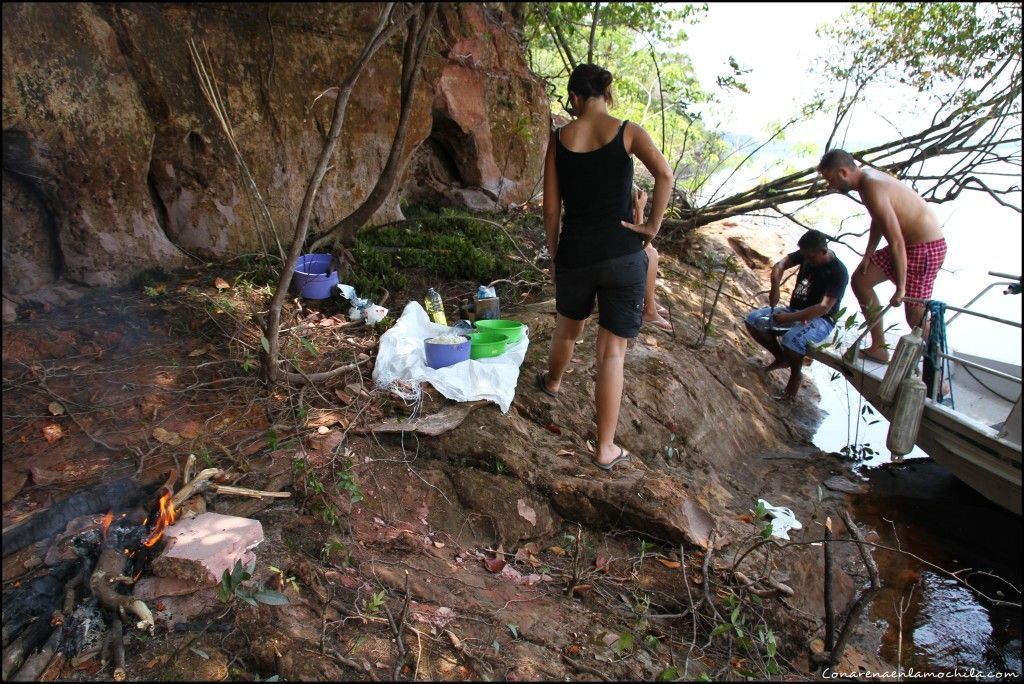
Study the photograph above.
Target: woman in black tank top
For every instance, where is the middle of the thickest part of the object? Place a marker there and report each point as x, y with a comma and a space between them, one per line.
597, 251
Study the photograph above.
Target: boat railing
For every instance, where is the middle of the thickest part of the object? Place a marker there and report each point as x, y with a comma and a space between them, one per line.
1007, 284
1016, 281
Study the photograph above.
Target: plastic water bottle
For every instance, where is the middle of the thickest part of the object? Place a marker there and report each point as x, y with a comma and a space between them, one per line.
435, 307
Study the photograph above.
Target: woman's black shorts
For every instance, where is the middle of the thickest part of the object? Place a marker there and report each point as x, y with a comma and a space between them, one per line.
618, 284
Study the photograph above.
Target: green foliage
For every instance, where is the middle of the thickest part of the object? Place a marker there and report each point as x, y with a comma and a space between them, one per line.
285, 579
230, 588
432, 247
655, 83
670, 674
344, 481
645, 546
334, 549
624, 643
376, 602
927, 46
257, 271
760, 639
315, 494
762, 521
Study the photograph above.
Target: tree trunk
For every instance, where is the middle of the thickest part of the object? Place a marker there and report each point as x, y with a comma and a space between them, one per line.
381, 33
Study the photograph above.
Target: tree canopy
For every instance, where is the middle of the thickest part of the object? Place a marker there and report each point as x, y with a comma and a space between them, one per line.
655, 85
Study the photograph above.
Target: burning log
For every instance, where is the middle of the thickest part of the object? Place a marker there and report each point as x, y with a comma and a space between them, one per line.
109, 571
123, 493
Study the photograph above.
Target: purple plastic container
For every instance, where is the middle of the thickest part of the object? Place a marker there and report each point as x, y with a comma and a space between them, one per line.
442, 355
313, 276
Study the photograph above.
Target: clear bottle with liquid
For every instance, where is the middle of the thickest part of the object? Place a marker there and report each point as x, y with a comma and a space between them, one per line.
434, 306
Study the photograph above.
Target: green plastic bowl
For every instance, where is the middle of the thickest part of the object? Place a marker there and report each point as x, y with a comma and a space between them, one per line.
512, 329
484, 345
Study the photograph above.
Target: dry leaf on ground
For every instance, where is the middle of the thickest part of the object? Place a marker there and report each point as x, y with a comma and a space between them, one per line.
166, 436
494, 564
221, 284
671, 564
526, 512
52, 432
55, 408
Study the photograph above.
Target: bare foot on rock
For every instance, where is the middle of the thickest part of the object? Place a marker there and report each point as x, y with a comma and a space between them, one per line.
763, 371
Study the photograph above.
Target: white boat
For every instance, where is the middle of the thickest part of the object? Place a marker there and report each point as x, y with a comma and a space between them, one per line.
978, 437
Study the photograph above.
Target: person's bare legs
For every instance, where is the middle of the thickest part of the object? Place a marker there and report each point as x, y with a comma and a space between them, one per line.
653, 313
863, 285
611, 354
796, 372
771, 343
563, 342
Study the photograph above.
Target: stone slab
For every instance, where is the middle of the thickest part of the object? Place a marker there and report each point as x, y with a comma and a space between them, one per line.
200, 549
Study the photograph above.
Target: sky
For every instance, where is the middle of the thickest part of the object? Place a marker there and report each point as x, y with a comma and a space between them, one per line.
777, 42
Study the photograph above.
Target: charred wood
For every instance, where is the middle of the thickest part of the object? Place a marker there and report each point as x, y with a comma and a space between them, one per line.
34, 599
34, 636
35, 665
117, 648
117, 495
84, 632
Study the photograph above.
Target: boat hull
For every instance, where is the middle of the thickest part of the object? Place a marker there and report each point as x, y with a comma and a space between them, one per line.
971, 450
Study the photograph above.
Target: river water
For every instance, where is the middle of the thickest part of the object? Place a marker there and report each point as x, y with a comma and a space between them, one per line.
931, 622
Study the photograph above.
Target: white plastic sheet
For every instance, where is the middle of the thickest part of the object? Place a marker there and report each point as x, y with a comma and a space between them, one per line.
783, 519
401, 364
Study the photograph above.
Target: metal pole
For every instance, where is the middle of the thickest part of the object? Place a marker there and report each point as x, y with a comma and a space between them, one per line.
972, 313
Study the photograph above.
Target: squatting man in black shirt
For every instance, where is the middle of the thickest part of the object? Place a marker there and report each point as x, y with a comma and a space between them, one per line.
812, 311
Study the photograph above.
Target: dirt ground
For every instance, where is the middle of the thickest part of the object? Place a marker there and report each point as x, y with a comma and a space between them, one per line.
492, 551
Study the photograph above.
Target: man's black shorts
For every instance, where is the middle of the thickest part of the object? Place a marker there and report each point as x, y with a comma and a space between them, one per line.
618, 284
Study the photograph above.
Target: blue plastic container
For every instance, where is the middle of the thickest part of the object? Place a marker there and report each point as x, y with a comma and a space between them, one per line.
442, 355
313, 276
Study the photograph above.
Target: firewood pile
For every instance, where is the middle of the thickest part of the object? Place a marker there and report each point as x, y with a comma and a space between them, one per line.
85, 590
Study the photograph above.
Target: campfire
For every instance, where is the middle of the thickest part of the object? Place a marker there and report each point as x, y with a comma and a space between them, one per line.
79, 608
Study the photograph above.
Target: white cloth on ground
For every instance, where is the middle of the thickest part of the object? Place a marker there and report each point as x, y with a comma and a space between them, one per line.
783, 520
402, 360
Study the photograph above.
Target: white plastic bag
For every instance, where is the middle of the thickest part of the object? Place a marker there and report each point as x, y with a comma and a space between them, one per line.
401, 364
783, 519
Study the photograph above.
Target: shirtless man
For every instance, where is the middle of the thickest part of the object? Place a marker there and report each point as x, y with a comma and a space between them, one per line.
915, 246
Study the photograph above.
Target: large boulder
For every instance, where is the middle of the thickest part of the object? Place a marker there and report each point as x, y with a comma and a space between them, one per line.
114, 162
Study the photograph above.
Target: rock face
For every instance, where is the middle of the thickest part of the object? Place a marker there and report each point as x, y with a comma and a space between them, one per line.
114, 162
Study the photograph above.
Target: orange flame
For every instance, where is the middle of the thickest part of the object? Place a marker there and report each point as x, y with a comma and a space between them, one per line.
107, 519
166, 517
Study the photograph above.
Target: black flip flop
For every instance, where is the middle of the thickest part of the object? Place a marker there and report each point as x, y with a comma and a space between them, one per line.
542, 385
623, 456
